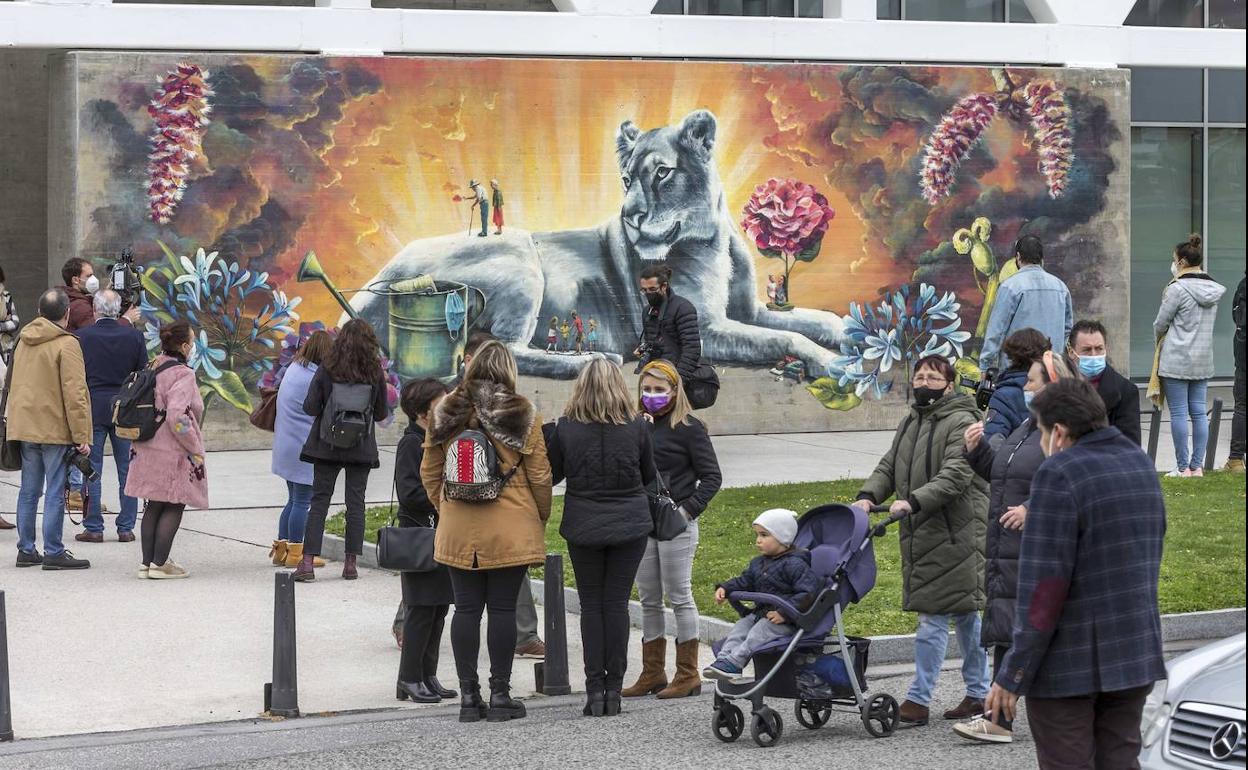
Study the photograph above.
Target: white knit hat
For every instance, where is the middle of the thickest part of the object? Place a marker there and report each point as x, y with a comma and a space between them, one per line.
780, 522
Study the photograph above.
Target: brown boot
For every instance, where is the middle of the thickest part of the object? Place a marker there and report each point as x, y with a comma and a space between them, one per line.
969, 707
687, 680
349, 572
294, 554
653, 676
913, 714
278, 554
304, 572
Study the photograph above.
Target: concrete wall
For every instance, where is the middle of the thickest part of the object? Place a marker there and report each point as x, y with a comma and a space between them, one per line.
23, 176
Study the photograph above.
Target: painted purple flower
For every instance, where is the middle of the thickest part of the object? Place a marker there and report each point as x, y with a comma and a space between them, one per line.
952, 139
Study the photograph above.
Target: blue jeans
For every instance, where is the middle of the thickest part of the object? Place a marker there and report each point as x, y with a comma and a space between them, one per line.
930, 644
94, 521
43, 474
1186, 399
294, 519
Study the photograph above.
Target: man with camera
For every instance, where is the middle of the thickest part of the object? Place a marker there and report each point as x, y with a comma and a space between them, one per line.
111, 353
49, 411
670, 332
80, 284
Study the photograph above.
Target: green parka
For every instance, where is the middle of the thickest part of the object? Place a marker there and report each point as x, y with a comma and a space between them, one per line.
942, 541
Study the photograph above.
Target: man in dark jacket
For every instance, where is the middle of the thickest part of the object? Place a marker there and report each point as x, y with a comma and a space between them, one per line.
1087, 631
670, 324
1235, 463
1088, 349
111, 352
80, 283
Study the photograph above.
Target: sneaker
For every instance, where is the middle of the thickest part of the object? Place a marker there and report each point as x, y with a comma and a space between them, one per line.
32, 559
533, 649
984, 731
166, 571
1177, 474
89, 537
142, 573
1196, 473
1234, 465
722, 669
64, 560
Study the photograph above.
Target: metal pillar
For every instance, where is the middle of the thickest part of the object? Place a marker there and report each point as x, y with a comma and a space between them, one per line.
282, 694
6, 713
554, 671
1154, 433
1215, 426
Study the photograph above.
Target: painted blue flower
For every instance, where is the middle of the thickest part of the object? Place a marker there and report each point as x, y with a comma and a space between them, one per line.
199, 274
203, 355
151, 334
883, 347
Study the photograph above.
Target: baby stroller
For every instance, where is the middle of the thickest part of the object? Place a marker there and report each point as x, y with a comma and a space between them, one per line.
819, 670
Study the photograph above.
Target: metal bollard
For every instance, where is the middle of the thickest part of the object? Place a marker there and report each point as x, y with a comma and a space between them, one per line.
282, 694
6, 713
1215, 424
1154, 433
553, 675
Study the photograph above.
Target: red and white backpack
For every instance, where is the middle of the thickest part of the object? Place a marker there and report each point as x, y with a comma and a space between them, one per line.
471, 473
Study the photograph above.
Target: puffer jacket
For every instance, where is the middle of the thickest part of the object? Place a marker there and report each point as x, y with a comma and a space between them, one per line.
1185, 319
672, 330
1008, 408
788, 576
687, 460
942, 540
607, 468
1009, 468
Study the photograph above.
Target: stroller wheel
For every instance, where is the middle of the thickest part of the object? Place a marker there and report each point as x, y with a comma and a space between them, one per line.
880, 715
810, 714
728, 723
766, 727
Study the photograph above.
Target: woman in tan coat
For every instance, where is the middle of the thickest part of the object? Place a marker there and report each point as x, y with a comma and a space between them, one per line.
488, 545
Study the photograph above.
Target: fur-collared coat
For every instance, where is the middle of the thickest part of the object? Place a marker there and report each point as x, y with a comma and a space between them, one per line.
507, 532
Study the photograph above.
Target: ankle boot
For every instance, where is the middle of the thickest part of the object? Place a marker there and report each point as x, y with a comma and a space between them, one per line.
502, 706
278, 554
471, 707
611, 705
349, 572
687, 680
304, 572
653, 676
294, 554
595, 702
418, 692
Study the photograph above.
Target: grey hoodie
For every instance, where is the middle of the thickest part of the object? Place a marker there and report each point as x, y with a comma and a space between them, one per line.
1188, 309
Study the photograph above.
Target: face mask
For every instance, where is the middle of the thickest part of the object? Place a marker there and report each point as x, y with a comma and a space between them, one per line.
1051, 448
1174, 269
91, 285
655, 299
656, 402
1028, 397
925, 396
1091, 366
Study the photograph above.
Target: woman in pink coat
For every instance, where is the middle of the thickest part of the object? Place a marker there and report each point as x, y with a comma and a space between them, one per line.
168, 471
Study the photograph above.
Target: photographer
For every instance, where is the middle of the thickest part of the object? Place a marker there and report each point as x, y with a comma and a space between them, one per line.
670, 333
80, 283
111, 352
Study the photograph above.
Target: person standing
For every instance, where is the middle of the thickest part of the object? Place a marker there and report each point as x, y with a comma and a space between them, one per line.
670, 324
1088, 349
604, 450
482, 203
1031, 297
489, 546
497, 200
1235, 463
1087, 634
48, 409
686, 460
291, 429
9, 322
350, 372
1184, 330
111, 353
426, 595
1007, 409
942, 536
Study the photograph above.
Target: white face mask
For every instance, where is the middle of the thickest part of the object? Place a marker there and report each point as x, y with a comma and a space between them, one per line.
1174, 269
91, 285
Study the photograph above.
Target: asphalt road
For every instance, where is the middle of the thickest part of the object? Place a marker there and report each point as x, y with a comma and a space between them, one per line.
650, 734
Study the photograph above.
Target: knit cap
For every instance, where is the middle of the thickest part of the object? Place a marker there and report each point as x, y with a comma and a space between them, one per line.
780, 522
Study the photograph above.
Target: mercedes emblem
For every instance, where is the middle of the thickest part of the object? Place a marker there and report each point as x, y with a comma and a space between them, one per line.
1225, 741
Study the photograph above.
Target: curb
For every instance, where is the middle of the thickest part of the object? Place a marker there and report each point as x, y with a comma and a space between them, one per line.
898, 648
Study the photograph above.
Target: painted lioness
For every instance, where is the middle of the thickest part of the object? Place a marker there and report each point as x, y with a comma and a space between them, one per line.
674, 210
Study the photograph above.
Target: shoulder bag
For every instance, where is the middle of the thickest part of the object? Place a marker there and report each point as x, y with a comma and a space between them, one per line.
264, 416
405, 549
669, 522
10, 451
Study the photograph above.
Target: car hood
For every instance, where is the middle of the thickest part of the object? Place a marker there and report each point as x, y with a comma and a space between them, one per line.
1211, 674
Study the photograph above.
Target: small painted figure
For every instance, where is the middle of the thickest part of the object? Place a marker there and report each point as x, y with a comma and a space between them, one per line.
564, 332
552, 334
579, 327
497, 200
782, 291
483, 203
771, 289
591, 337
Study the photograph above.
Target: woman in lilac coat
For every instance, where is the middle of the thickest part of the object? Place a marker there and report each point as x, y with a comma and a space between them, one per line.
168, 470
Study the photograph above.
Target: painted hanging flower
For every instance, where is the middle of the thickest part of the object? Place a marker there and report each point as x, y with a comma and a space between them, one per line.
180, 108
952, 140
1050, 126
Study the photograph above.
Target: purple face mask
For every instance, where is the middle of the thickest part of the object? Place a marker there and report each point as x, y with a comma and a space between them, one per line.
655, 403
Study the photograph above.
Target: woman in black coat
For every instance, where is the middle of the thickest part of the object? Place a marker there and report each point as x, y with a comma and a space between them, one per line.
427, 596
603, 449
354, 359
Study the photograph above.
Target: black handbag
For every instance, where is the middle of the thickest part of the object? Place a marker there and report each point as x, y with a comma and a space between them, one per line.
406, 549
10, 451
669, 522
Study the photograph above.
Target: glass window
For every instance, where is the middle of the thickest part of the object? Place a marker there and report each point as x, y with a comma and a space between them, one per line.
1226, 96
810, 9
669, 6
1224, 242
955, 10
1226, 14
1167, 95
1166, 191
1020, 13
888, 9
1167, 13
741, 7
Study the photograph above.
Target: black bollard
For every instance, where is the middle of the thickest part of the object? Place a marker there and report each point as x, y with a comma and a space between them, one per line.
6, 713
554, 669
1154, 433
282, 694
1215, 424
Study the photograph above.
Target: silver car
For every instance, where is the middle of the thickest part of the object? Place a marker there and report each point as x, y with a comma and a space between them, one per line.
1195, 718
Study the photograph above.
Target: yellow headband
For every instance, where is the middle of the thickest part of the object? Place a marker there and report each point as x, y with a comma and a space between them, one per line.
666, 369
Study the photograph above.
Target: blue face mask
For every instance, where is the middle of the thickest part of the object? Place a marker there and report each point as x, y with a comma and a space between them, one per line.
1028, 397
1091, 366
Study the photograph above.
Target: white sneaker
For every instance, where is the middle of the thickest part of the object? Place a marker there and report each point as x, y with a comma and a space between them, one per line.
1196, 473
984, 731
142, 575
1177, 474
166, 571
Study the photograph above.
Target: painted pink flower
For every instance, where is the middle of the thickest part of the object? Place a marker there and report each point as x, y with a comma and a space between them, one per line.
1050, 127
786, 217
952, 139
180, 108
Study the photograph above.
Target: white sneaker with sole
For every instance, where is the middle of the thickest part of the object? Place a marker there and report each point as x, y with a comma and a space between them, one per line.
166, 571
984, 731
142, 574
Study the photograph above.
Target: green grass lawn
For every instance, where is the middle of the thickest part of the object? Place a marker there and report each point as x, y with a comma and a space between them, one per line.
1203, 567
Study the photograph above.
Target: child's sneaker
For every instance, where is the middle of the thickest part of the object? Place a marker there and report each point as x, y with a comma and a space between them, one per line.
722, 669
984, 731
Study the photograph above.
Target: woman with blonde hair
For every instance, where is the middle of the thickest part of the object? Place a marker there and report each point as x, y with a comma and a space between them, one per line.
603, 448
488, 544
686, 460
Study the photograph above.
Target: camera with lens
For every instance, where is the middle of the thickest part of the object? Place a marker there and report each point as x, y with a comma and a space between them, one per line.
646, 350
124, 277
83, 464
983, 387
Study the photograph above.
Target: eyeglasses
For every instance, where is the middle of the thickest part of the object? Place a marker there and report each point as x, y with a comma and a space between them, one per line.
651, 289
929, 379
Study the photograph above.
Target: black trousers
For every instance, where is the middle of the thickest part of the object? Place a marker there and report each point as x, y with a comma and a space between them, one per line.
998, 657
422, 636
604, 582
324, 478
478, 591
1092, 732
1237, 420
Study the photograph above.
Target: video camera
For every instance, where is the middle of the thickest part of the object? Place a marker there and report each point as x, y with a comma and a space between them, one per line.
124, 277
983, 387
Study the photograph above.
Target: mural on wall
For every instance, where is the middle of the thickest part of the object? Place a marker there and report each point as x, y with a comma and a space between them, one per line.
832, 224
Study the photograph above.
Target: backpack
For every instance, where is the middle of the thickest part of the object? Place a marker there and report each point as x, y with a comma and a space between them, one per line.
348, 415
471, 472
135, 415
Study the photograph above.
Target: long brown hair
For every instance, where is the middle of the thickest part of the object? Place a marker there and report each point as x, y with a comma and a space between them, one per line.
600, 395
355, 355
315, 348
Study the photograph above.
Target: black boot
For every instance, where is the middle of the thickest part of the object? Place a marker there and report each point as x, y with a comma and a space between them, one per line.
502, 706
612, 705
595, 701
418, 692
442, 692
471, 707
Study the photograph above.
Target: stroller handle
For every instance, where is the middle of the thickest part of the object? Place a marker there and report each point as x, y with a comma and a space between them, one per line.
879, 529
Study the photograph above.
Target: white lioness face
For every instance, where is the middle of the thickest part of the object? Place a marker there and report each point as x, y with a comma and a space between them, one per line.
671, 189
